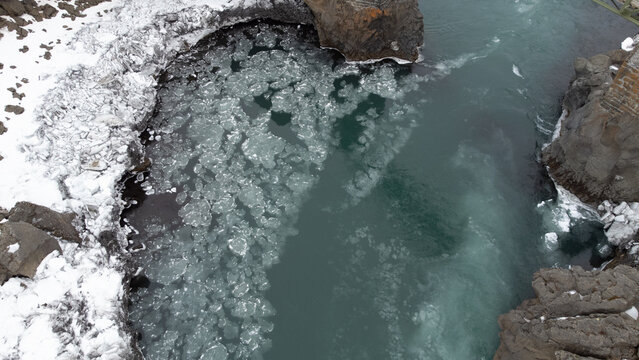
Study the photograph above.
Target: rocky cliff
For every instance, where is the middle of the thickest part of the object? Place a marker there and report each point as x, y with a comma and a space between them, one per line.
369, 29
577, 315
596, 155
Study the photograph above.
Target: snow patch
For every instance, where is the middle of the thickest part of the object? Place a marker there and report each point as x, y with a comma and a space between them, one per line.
628, 44
13, 248
633, 313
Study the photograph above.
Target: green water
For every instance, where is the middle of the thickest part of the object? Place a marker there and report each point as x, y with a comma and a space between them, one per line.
309, 209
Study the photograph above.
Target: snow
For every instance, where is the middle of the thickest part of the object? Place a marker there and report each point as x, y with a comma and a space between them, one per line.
633, 313
628, 44
551, 241
82, 112
13, 248
39, 315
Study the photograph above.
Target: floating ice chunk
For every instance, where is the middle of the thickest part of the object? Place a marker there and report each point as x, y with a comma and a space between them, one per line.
550, 241
633, 313
516, 71
216, 352
261, 149
238, 246
13, 248
628, 44
621, 208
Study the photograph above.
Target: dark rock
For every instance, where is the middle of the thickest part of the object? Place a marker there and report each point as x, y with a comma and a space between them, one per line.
14, 8
49, 11
14, 109
4, 213
34, 246
3, 129
577, 314
15, 94
618, 56
365, 30
596, 156
45, 219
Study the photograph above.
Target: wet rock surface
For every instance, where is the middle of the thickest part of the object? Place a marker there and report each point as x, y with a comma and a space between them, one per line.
576, 314
595, 155
365, 30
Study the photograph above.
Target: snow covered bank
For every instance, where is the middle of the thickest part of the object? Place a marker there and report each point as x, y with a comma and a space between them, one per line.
89, 87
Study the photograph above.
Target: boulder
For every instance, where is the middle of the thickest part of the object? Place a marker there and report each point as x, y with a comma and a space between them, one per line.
43, 218
369, 29
22, 249
13, 7
596, 155
576, 314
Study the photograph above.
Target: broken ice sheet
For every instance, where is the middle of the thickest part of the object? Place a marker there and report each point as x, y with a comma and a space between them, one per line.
242, 184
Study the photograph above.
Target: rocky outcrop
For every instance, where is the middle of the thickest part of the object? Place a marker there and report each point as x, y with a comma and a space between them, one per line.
596, 155
43, 218
22, 249
28, 234
369, 29
576, 314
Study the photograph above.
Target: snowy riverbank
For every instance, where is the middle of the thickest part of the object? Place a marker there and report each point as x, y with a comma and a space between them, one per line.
89, 87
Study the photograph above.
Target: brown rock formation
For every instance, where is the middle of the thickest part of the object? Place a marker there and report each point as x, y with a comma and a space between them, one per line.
576, 314
367, 30
53, 222
31, 244
596, 156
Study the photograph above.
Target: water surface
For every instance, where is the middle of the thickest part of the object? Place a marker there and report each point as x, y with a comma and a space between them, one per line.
305, 208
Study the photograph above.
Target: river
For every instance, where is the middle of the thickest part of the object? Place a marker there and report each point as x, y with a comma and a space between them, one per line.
300, 207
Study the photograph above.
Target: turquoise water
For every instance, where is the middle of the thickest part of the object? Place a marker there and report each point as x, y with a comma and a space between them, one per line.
302, 208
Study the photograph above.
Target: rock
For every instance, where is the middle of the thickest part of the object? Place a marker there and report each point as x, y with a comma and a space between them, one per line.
565, 355
366, 30
13, 7
576, 314
49, 11
45, 219
23, 260
4, 213
618, 56
14, 109
595, 156
3, 129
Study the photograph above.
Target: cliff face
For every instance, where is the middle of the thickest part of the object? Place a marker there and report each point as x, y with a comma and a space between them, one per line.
576, 314
366, 30
596, 156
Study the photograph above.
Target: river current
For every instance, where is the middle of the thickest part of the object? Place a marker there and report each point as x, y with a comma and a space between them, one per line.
300, 207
